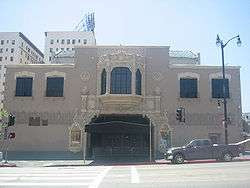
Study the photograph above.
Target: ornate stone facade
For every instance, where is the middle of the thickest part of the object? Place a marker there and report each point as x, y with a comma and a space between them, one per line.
83, 102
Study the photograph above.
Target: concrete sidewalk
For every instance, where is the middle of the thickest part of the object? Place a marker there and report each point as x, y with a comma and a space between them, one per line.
63, 163
45, 163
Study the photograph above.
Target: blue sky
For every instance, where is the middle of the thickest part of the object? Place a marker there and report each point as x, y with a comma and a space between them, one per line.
183, 24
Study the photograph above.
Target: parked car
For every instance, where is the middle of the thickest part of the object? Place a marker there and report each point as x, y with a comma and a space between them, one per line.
199, 149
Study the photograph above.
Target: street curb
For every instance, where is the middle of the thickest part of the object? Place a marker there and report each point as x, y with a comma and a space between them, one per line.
7, 165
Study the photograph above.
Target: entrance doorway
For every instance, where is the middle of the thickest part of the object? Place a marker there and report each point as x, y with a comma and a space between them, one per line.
119, 137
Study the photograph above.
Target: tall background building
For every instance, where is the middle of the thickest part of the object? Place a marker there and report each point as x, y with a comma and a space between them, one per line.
62, 43
16, 48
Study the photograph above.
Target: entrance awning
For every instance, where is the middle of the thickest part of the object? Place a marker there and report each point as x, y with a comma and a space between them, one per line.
117, 127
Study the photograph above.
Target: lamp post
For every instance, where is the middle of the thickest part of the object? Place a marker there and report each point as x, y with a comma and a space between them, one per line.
220, 43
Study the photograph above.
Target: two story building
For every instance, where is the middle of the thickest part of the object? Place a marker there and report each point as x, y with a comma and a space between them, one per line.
120, 101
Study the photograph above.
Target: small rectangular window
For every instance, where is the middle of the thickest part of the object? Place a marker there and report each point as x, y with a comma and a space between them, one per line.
55, 87
84, 41
44, 122
67, 49
51, 50
68, 41
2, 42
7, 41
62, 41
6, 58
51, 41
62, 49
217, 88
13, 42
57, 41
1, 50
79, 40
12, 50
56, 49
24, 86
6, 49
1, 58
73, 41
11, 58
34, 121
188, 88
50, 58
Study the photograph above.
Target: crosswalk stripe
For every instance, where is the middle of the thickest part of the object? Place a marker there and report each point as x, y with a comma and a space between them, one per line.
134, 175
45, 184
48, 174
45, 178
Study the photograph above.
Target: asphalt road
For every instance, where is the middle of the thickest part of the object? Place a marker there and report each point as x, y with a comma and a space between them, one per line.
205, 175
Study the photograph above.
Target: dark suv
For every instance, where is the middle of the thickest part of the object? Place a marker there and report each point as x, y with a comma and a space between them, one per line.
199, 149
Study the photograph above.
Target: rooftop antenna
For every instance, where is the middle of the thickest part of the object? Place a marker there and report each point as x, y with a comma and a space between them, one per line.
87, 23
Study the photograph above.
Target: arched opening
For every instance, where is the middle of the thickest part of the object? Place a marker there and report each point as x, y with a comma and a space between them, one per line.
138, 82
103, 81
119, 137
121, 80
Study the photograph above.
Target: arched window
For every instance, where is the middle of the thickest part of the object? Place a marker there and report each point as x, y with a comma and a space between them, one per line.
138, 82
103, 82
121, 80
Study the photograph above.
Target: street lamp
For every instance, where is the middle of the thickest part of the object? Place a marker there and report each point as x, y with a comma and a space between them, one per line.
220, 43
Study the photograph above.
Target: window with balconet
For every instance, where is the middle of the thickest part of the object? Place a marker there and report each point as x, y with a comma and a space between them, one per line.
103, 82
138, 82
121, 80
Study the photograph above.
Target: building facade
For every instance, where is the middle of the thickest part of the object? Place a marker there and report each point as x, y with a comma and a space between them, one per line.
16, 48
120, 101
64, 42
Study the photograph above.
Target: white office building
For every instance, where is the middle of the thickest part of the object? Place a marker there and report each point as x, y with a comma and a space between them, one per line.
64, 42
16, 48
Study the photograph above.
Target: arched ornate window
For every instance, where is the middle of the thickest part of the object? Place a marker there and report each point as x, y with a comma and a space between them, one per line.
138, 82
103, 81
121, 80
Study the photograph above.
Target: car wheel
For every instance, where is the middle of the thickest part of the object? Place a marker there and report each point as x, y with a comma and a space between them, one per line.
227, 157
178, 159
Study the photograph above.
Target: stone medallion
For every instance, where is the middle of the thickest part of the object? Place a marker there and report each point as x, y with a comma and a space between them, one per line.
157, 76
85, 76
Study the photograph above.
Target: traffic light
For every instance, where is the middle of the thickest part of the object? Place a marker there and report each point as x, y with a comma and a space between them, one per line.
180, 114
11, 121
12, 135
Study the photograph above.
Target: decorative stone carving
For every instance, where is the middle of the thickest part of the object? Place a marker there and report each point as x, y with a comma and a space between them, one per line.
24, 74
84, 89
219, 75
157, 76
188, 75
55, 74
85, 76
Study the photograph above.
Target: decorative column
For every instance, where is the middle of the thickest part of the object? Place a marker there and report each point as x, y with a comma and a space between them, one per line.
108, 81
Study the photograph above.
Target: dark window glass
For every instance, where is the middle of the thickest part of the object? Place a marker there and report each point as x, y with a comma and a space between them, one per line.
138, 82
217, 88
34, 121
188, 88
55, 87
121, 80
103, 82
24, 87
44, 122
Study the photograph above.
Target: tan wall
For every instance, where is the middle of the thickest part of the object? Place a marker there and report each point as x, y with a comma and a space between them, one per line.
161, 80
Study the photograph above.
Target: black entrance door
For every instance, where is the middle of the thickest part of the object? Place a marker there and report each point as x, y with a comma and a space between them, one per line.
119, 140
